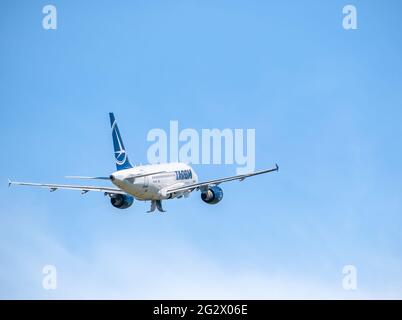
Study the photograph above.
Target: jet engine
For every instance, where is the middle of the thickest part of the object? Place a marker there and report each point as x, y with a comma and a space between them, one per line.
213, 195
121, 201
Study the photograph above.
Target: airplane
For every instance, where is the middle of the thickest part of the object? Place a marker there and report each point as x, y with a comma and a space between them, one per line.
152, 182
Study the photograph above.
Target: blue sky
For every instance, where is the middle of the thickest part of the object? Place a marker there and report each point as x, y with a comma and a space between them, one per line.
325, 104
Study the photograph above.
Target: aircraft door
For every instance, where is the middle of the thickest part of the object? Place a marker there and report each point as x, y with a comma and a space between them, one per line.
146, 182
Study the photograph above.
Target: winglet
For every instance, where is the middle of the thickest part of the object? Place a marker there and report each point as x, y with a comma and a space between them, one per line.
276, 166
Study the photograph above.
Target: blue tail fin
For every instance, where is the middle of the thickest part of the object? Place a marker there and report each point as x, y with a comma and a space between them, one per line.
120, 154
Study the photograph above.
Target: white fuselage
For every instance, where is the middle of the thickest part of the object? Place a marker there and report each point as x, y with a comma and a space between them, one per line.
154, 186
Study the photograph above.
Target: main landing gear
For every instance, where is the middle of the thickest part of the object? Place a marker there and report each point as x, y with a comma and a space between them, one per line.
156, 204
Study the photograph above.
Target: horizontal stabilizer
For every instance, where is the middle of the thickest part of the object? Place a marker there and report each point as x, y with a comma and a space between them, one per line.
88, 178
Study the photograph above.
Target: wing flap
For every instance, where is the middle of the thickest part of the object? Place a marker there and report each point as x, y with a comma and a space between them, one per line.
54, 187
206, 184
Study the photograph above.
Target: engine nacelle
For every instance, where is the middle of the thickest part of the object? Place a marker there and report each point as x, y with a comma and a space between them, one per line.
121, 201
213, 195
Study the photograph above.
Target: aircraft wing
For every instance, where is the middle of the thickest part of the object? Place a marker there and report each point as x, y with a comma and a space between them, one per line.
206, 184
54, 187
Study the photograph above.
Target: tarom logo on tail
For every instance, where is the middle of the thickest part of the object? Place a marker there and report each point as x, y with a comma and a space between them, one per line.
120, 155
